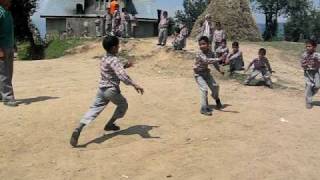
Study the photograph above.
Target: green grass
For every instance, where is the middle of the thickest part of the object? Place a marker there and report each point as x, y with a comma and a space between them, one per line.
23, 50
57, 48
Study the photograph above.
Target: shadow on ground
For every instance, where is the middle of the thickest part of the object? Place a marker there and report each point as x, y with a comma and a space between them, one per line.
28, 101
142, 130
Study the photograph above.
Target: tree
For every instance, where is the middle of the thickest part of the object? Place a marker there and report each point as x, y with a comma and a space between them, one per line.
272, 9
192, 10
22, 10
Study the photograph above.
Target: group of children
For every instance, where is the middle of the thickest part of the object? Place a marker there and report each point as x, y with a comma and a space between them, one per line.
113, 71
120, 23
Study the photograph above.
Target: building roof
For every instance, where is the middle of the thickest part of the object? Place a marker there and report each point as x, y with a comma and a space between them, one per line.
60, 7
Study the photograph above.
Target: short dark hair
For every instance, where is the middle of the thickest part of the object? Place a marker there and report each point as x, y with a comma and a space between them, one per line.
224, 41
262, 51
235, 44
109, 42
218, 23
312, 42
165, 13
204, 38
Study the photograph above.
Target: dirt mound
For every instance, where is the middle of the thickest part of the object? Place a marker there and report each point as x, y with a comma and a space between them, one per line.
235, 17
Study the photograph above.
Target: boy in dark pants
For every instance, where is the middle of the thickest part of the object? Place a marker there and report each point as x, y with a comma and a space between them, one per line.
6, 54
112, 72
261, 66
310, 62
203, 77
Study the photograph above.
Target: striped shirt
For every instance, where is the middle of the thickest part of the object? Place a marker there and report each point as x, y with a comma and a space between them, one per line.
112, 72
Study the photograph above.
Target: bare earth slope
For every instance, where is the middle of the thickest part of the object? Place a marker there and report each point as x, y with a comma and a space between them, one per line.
261, 134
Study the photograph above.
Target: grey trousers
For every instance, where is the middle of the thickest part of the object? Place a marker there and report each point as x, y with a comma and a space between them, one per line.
125, 29
104, 96
6, 73
312, 78
265, 75
204, 82
163, 35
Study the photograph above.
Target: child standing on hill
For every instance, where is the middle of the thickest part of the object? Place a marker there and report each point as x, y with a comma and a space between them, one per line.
203, 77
180, 37
163, 29
310, 63
112, 72
235, 59
218, 36
261, 66
207, 28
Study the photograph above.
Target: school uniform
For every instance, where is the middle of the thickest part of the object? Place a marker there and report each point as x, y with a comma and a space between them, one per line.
207, 30
180, 40
204, 78
108, 20
163, 30
260, 67
116, 23
218, 36
222, 53
112, 72
125, 19
311, 66
235, 61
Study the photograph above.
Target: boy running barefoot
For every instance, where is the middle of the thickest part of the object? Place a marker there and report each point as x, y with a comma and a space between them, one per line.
310, 63
112, 72
261, 66
203, 77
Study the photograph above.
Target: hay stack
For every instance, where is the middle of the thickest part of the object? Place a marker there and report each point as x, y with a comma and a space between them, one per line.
235, 17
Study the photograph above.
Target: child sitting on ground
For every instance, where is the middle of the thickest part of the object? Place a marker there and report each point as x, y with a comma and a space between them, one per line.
112, 72
222, 52
261, 66
203, 76
235, 59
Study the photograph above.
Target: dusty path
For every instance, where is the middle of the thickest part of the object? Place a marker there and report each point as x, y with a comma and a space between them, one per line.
262, 134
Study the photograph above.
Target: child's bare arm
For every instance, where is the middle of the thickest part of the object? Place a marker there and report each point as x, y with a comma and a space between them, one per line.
268, 66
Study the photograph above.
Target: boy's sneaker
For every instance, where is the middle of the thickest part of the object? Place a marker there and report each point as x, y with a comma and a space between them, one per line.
219, 105
11, 103
206, 113
309, 106
75, 137
111, 127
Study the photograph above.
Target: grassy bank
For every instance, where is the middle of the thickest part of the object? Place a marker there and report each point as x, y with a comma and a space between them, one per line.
55, 49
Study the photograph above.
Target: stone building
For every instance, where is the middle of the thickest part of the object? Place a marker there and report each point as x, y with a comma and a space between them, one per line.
80, 17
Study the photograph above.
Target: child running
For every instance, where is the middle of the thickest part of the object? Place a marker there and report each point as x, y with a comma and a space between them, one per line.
112, 72
203, 77
261, 66
235, 59
310, 63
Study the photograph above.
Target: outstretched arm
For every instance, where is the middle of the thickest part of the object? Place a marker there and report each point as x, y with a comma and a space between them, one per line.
118, 68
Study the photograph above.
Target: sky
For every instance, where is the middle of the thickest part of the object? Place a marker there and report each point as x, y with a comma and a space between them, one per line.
174, 4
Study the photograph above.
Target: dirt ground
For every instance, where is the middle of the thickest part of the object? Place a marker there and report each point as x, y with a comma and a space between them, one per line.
261, 134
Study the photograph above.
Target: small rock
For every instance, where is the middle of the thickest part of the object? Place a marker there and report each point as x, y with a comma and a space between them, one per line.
169, 176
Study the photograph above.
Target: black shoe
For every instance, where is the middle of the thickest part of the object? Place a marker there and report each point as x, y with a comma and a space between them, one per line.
75, 137
111, 127
219, 105
206, 113
158, 44
11, 103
